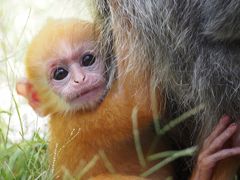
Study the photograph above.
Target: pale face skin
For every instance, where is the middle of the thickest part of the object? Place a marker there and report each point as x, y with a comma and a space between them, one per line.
78, 77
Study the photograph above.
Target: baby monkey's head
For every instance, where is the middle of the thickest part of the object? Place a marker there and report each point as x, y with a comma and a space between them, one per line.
64, 70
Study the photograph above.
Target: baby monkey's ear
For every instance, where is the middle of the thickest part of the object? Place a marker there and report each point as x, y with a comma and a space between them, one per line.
25, 89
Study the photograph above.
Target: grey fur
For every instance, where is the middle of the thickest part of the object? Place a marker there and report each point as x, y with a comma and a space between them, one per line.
221, 19
190, 47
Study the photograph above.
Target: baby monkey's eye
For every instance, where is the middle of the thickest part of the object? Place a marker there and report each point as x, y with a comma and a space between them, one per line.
88, 60
60, 73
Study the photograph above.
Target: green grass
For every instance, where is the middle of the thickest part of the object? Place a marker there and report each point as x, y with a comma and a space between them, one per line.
25, 160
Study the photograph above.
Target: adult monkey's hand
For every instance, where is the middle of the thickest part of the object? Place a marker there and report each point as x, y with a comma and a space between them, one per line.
216, 158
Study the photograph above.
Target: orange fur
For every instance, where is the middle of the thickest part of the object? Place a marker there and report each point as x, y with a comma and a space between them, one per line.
78, 137
109, 128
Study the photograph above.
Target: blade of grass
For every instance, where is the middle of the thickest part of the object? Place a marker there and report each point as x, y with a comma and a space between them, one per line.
89, 165
19, 117
178, 154
9, 169
106, 161
173, 123
136, 137
24, 28
154, 106
160, 155
8, 128
5, 112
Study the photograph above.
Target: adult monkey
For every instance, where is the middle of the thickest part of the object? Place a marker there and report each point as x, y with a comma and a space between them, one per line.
188, 48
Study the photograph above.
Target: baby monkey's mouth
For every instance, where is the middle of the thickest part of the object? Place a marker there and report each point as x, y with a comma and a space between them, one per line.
85, 92
87, 95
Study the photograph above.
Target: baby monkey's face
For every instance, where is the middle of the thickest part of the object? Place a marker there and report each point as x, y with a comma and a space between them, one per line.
77, 76
64, 69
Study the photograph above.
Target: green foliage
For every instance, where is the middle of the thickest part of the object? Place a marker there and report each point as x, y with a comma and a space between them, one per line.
25, 160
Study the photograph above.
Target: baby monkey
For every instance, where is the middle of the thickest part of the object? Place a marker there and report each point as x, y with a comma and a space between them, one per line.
90, 125
67, 80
